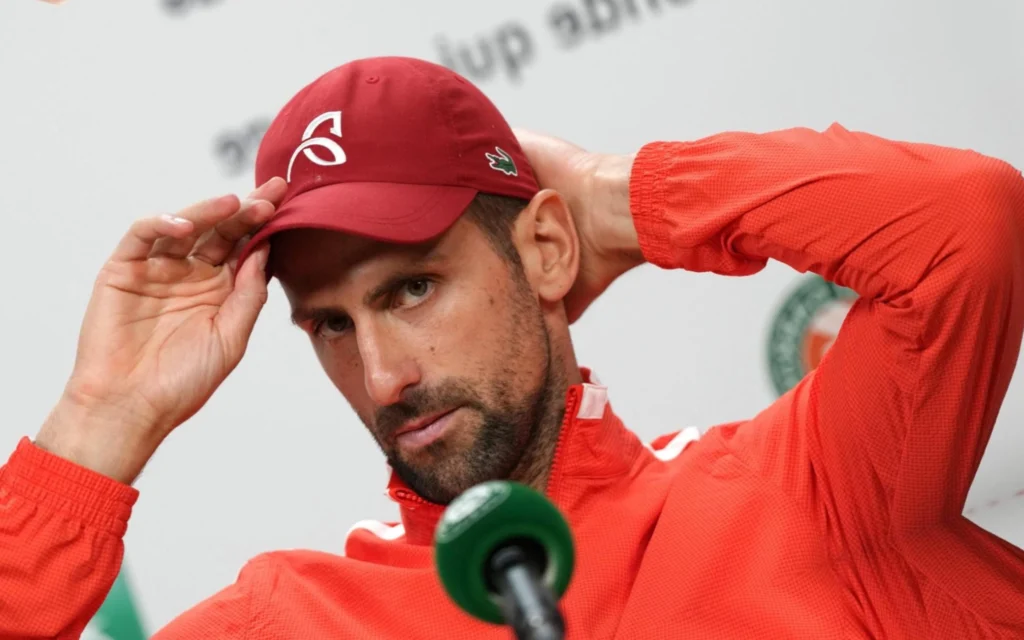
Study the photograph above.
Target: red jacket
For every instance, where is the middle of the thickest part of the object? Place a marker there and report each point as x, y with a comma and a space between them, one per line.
835, 513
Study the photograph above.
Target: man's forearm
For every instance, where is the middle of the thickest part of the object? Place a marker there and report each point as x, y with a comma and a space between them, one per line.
851, 207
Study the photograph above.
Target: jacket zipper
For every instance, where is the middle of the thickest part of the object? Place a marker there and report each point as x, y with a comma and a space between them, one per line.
408, 496
563, 434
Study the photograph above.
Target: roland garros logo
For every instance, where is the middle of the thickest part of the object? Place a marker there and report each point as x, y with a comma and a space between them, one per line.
804, 328
328, 144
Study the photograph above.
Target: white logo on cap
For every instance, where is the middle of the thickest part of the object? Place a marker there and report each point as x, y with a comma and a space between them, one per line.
308, 141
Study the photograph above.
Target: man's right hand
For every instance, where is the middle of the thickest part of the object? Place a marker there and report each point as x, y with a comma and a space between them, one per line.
169, 318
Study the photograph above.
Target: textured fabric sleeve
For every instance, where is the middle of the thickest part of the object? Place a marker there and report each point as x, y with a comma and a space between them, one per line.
61, 529
883, 439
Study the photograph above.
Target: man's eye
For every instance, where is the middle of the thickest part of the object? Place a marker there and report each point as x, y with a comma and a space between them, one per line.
332, 326
418, 288
413, 291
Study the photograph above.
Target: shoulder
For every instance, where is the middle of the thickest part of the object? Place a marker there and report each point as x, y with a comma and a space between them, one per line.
228, 613
252, 600
266, 570
744, 441
264, 576
669, 446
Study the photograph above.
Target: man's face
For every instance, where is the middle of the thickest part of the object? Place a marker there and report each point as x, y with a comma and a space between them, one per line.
440, 348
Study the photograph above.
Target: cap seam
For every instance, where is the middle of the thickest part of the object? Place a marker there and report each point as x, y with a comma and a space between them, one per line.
454, 135
443, 115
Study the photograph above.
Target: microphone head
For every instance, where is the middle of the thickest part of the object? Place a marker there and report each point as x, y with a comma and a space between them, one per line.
486, 518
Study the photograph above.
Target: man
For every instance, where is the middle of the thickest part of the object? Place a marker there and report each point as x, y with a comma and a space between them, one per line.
437, 281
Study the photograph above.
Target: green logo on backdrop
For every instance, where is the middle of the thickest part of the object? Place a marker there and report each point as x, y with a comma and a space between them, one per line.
805, 326
118, 618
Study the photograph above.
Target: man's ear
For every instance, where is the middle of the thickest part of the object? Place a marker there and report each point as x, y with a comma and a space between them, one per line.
549, 245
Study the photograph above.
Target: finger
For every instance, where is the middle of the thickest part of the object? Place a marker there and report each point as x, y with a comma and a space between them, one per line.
550, 158
271, 191
534, 142
144, 233
237, 316
203, 215
217, 244
528, 142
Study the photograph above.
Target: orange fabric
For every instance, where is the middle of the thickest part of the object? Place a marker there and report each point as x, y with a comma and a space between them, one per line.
835, 513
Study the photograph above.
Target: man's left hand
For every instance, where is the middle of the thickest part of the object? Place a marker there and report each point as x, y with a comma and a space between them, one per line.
596, 187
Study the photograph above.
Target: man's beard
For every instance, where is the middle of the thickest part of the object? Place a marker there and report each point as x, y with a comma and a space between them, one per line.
509, 433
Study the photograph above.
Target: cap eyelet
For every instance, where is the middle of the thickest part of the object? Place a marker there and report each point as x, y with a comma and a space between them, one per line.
373, 80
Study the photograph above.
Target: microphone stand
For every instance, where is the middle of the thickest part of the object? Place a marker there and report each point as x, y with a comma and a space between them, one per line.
526, 602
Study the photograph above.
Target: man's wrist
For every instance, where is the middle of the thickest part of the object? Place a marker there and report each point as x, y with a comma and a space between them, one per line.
97, 439
611, 182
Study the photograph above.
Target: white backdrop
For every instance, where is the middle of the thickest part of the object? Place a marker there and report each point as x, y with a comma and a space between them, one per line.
115, 110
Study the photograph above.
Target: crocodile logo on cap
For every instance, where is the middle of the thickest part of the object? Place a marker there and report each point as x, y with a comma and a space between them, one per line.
502, 162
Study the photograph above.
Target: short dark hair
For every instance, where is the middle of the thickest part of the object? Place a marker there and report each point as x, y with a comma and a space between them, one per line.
496, 216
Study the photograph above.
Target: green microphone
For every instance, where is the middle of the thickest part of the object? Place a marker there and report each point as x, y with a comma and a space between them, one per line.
505, 555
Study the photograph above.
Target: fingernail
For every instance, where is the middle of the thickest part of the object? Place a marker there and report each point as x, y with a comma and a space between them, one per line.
174, 219
263, 257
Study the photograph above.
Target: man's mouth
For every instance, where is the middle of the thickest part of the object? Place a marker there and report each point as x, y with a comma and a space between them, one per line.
423, 431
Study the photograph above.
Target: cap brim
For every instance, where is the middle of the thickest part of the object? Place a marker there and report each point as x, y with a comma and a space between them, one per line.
389, 212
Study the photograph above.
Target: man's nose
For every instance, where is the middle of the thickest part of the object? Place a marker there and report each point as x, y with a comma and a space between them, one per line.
388, 366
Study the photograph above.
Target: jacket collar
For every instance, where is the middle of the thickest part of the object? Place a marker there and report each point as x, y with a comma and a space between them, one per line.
593, 446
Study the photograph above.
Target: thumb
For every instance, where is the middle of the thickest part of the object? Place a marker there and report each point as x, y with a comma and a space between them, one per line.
238, 314
577, 300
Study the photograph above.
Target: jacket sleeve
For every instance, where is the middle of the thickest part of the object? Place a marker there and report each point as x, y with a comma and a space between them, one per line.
61, 529
883, 439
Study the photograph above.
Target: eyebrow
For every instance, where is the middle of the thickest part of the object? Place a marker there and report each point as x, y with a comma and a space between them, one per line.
302, 314
390, 284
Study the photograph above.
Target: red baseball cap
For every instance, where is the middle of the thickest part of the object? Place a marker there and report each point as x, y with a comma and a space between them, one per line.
389, 148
